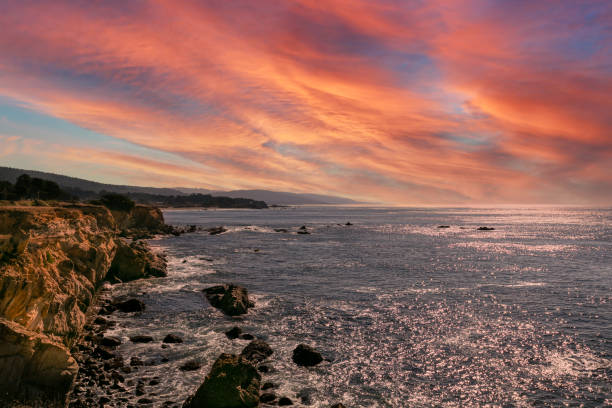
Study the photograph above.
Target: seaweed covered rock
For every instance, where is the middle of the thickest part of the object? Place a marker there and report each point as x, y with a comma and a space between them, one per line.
233, 382
231, 299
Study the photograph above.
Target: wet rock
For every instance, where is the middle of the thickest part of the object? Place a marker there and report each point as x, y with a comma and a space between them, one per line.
165, 346
263, 368
444, 226
247, 336
141, 339
486, 229
233, 333
154, 381
135, 362
267, 386
110, 341
130, 306
267, 397
348, 224
232, 382
306, 356
103, 352
191, 365
338, 405
172, 338
280, 230
103, 400
145, 401
116, 362
257, 351
233, 300
283, 401
140, 390
216, 230
303, 230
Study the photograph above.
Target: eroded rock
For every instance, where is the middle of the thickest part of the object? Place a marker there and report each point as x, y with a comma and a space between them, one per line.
233, 300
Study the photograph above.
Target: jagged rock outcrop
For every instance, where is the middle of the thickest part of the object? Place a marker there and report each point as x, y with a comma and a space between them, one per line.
233, 300
53, 258
232, 382
52, 261
135, 260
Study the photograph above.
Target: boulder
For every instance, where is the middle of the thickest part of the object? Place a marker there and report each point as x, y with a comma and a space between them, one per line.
130, 306
267, 397
257, 351
110, 341
338, 405
284, 401
486, 229
141, 339
233, 333
306, 356
232, 382
172, 338
135, 260
231, 299
444, 226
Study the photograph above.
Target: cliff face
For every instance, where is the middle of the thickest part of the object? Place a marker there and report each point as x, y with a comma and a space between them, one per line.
52, 260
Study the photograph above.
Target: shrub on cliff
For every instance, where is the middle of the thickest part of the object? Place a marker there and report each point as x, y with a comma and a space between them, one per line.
118, 202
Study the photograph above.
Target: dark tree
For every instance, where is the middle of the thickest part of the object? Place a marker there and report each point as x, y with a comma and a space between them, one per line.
114, 201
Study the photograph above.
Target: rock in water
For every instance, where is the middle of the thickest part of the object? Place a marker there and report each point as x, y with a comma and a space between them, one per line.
172, 338
233, 333
231, 299
338, 405
257, 351
306, 356
216, 230
486, 229
232, 382
135, 260
129, 306
141, 339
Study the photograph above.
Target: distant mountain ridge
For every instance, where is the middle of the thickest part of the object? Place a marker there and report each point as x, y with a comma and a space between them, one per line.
270, 197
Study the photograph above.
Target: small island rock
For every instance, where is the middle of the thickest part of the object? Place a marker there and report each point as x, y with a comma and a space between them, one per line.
306, 356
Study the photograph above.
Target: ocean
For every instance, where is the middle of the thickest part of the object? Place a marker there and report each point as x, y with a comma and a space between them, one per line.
407, 314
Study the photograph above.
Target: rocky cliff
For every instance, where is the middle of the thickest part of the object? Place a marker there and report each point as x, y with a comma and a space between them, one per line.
52, 260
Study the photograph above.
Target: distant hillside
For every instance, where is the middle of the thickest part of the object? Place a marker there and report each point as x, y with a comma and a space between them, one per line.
72, 183
274, 197
84, 188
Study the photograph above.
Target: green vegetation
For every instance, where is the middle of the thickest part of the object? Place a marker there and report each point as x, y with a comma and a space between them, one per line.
118, 202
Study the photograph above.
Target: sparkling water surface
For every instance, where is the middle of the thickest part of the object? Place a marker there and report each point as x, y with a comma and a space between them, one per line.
408, 314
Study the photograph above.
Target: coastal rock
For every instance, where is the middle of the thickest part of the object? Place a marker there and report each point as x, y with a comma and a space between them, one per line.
130, 306
135, 260
233, 333
172, 338
306, 356
231, 299
141, 339
284, 401
486, 229
110, 341
216, 230
338, 405
267, 397
232, 382
443, 226
52, 259
257, 351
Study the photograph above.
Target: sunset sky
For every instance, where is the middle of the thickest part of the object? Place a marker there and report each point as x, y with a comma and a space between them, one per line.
406, 102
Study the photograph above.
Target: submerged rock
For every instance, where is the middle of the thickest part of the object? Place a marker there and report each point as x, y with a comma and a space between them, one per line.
267, 397
257, 351
232, 382
231, 299
191, 365
110, 341
216, 230
306, 356
283, 401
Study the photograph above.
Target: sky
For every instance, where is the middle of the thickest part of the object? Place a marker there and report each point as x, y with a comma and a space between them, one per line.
403, 102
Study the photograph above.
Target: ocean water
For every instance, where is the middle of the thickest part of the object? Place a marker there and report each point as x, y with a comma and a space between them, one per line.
408, 314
